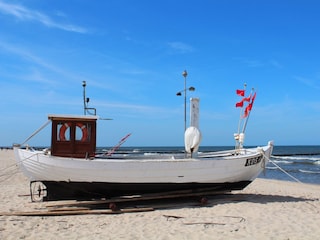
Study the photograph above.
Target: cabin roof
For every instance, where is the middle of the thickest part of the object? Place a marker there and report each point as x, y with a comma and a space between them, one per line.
72, 117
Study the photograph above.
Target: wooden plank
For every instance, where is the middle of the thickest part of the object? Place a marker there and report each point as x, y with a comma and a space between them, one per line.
172, 205
52, 209
75, 212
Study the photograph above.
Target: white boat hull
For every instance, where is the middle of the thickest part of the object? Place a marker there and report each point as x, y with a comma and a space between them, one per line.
134, 175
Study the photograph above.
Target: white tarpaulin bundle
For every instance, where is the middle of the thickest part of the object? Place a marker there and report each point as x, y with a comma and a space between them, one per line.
192, 139
192, 135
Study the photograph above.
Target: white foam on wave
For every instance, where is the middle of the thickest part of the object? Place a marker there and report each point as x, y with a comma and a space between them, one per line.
308, 171
272, 168
283, 161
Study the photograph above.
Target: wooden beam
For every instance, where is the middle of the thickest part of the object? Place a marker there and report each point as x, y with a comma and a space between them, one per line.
74, 212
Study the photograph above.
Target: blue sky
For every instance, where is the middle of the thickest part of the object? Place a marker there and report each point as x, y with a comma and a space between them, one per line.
132, 55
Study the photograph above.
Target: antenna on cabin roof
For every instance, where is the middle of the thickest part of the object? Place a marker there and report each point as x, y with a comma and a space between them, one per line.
86, 100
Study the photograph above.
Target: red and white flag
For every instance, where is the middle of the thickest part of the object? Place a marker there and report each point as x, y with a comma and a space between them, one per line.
245, 99
240, 92
249, 107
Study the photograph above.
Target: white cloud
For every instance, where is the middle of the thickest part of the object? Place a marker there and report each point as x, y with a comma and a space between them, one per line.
181, 47
25, 14
308, 82
26, 55
276, 64
34, 59
253, 63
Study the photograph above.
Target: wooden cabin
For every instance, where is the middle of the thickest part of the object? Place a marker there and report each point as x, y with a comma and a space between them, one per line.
73, 136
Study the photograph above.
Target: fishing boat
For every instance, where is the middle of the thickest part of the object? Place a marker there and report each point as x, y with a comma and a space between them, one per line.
71, 168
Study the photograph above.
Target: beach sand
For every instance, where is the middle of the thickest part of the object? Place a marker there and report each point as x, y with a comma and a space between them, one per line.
266, 209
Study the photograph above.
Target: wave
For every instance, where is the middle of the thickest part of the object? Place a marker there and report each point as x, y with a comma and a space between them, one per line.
294, 172
300, 157
296, 160
272, 168
296, 154
283, 161
150, 154
308, 171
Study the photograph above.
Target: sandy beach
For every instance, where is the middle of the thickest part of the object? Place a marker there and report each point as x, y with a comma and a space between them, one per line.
266, 209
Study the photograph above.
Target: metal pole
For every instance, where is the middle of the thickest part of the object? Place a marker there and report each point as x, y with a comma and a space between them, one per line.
84, 97
185, 105
185, 74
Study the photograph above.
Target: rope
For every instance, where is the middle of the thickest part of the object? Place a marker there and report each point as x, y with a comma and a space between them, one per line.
7, 173
4, 177
16, 170
32, 135
297, 180
10, 166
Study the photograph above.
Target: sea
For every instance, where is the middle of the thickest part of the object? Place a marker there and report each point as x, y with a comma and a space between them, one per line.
288, 163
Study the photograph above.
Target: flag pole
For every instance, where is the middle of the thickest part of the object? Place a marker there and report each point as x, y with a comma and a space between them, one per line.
240, 119
247, 118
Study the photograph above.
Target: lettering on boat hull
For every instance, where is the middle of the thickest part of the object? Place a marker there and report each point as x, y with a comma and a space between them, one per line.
253, 161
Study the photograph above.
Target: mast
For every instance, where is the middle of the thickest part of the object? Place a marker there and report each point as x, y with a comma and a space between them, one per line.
86, 101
